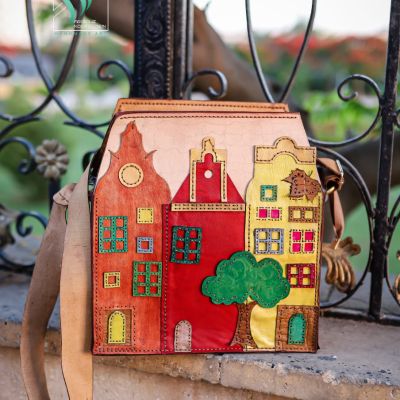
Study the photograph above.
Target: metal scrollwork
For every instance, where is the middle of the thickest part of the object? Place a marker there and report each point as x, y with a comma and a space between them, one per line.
214, 94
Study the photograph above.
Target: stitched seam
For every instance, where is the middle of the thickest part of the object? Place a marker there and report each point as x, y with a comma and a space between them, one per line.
213, 116
189, 104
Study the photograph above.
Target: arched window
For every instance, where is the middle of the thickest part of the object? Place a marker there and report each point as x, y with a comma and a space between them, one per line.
116, 327
297, 329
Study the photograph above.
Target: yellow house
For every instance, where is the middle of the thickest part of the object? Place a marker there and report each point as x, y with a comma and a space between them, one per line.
283, 221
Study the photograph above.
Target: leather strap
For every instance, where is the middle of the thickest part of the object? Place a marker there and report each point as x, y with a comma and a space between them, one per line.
76, 297
42, 296
333, 181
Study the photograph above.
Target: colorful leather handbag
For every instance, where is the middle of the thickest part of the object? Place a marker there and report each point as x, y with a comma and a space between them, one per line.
204, 235
206, 230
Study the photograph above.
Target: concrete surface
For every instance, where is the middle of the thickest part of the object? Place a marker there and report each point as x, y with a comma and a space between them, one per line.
357, 360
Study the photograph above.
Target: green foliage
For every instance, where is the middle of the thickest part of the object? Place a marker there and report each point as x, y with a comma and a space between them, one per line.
242, 276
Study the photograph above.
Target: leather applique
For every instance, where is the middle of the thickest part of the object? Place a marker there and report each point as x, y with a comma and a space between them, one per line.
183, 337
243, 281
186, 245
147, 276
301, 275
268, 241
144, 215
113, 234
269, 213
268, 192
117, 327
131, 175
303, 214
302, 184
144, 245
297, 328
302, 241
111, 280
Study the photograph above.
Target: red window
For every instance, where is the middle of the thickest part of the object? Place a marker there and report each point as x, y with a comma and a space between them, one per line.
301, 275
302, 241
269, 213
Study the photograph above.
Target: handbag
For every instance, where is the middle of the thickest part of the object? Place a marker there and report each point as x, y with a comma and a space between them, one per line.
202, 234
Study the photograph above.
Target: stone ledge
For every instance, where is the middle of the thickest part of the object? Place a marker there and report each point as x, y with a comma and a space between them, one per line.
357, 360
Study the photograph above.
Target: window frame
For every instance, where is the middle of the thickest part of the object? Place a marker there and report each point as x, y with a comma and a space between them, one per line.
302, 242
113, 239
264, 188
187, 240
147, 284
268, 240
300, 275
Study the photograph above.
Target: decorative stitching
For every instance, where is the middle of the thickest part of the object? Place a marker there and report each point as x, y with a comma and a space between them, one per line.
302, 241
144, 215
187, 104
263, 192
179, 345
156, 116
111, 319
296, 271
268, 241
284, 313
302, 214
147, 277
112, 226
269, 214
273, 153
106, 280
139, 245
297, 329
208, 207
182, 242
122, 178
301, 184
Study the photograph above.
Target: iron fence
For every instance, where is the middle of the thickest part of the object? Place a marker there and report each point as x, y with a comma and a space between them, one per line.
163, 60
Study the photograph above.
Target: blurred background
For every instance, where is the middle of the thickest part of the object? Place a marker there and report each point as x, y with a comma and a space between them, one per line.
349, 37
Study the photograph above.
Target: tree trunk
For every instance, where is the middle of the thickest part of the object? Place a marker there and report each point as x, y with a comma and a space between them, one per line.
243, 333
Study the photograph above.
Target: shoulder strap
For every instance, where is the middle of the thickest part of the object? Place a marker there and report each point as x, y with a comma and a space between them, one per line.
76, 296
42, 296
64, 254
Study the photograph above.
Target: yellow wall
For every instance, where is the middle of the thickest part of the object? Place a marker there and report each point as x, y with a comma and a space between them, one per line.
263, 321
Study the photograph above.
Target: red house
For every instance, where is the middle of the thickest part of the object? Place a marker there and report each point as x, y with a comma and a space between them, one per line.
127, 251
203, 225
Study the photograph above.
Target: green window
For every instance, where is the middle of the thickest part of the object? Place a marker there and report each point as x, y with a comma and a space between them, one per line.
113, 234
297, 329
147, 278
186, 245
268, 192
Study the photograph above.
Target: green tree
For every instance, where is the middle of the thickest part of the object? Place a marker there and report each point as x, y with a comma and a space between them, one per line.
244, 281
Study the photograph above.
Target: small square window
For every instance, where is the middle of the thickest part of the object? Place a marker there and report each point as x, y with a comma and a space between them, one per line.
113, 234
144, 245
268, 241
269, 213
186, 245
144, 215
301, 275
268, 192
147, 277
302, 241
303, 214
111, 280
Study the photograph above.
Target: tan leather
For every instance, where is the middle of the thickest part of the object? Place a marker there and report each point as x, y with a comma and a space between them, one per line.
236, 131
42, 297
137, 105
76, 297
333, 182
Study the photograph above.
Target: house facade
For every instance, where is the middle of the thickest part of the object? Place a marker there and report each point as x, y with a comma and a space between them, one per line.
127, 250
203, 225
283, 222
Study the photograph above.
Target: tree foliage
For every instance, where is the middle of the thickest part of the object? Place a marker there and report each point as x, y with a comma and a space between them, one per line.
241, 277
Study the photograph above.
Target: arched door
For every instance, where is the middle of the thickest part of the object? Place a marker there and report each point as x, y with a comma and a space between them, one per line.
297, 329
117, 327
183, 336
